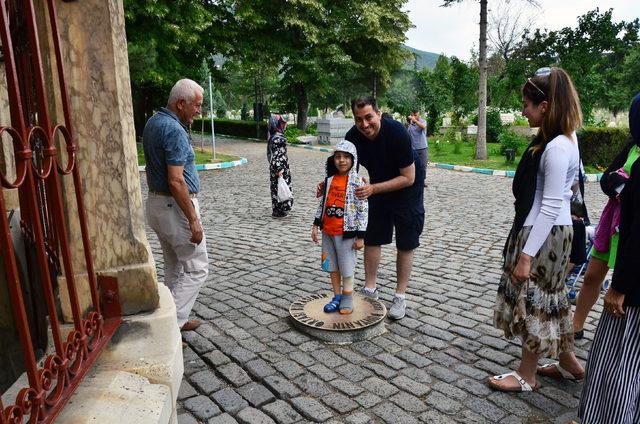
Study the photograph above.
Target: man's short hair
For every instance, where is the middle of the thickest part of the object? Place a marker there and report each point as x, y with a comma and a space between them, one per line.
363, 101
185, 89
415, 111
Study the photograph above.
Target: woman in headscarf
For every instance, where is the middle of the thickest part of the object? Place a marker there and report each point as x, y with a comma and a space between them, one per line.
611, 392
278, 164
532, 302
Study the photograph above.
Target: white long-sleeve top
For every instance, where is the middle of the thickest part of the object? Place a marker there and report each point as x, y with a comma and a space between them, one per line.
558, 170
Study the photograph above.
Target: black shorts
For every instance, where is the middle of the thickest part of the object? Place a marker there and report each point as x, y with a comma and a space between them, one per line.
408, 222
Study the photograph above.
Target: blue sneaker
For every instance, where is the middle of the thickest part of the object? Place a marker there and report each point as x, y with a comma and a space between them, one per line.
334, 304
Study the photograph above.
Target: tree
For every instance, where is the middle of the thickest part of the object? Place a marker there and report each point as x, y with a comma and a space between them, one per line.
481, 144
297, 36
436, 91
629, 81
167, 40
464, 83
507, 26
204, 73
594, 53
322, 44
402, 96
374, 31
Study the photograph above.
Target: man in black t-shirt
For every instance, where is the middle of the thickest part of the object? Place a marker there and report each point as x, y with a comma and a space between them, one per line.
395, 193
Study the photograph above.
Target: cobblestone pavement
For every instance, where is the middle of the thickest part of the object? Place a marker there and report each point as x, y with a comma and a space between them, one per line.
247, 364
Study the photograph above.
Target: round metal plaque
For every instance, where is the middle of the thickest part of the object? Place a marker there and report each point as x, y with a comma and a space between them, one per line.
366, 320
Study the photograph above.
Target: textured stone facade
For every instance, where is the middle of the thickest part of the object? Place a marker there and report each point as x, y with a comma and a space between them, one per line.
94, 48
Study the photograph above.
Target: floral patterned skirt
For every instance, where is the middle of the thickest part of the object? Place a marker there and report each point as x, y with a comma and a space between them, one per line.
538, 310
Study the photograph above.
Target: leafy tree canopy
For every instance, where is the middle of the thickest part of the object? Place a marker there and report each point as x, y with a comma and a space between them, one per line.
595, 53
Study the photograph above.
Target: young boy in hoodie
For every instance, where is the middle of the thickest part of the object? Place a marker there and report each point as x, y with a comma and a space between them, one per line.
342, 217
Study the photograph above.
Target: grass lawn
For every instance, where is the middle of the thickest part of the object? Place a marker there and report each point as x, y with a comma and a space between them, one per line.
202, 156
444, 153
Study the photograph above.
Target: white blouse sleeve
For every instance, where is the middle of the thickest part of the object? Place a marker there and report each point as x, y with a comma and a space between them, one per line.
555, 165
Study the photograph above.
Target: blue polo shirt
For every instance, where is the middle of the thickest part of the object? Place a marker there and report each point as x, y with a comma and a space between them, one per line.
418, 135
166, 142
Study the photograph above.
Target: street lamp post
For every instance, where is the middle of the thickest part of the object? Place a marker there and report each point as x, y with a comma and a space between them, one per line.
213, 133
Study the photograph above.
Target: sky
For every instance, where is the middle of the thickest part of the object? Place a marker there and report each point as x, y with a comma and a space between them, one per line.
454, 30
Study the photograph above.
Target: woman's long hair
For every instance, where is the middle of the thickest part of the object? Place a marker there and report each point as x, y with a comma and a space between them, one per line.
563, 114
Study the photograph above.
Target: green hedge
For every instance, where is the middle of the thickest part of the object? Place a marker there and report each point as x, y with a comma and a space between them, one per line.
234, 128
599, 146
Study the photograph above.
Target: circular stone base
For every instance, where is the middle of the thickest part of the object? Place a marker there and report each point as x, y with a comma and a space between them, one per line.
366, 320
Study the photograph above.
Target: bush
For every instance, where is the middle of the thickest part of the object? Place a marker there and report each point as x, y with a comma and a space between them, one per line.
508, 139
234, 128
454, 135
436, 145
494, 125
312, 129
292, 132
244, 112
520, 121
599, 146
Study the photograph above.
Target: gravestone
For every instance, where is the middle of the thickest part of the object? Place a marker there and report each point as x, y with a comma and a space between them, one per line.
333, 130
471, 132
507, 118
366, 320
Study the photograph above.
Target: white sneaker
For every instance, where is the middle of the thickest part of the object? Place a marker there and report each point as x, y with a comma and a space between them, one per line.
367, 293
398, 309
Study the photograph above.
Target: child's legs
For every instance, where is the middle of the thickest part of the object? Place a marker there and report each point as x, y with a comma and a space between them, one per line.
346, 258
347, 264
330, 262
335, 282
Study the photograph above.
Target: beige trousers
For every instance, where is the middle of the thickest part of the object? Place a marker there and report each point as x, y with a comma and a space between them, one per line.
186, 265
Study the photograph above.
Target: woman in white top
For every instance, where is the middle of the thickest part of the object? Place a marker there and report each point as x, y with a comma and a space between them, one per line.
532, 302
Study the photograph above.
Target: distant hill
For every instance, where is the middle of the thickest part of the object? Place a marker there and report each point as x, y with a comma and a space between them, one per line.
425, 59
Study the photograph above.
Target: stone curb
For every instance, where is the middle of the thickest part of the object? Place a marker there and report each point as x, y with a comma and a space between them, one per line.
498, 172
308, 147
210, 166
460, 168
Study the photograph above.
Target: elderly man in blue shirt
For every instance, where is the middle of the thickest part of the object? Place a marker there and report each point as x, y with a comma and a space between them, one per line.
172, 208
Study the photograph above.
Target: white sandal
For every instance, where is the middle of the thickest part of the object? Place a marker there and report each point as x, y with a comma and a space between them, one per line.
554, 370
524, 386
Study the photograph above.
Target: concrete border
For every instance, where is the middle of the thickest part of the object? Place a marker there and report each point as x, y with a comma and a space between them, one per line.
459, 168
309, 147
210, 166
497, 172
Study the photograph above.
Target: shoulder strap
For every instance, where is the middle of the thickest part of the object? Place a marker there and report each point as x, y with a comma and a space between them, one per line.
585, 214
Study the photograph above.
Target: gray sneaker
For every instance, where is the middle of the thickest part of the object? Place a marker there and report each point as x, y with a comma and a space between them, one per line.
365, 293
397, 310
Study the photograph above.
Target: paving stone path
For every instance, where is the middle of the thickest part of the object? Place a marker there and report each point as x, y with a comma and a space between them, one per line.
247, 364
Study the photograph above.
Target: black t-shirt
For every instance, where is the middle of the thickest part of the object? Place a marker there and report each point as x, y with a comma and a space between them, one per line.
384, 157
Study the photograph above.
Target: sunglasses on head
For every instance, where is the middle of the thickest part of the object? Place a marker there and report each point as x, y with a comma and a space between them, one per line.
542, 72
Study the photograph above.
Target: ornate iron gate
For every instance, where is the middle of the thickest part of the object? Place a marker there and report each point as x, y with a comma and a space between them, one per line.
39, 173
